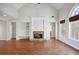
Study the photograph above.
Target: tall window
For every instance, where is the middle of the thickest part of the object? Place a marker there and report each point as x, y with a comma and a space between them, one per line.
62, 24
63, 32
74, 27
74, 24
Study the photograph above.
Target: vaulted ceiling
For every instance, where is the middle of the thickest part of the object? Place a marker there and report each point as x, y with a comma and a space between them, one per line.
11, 9
55, 5
58, 6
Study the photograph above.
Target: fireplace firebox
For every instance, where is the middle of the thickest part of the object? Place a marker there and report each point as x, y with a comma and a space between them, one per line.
38, 34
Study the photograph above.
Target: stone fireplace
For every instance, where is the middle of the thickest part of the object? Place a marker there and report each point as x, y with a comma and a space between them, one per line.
38, 34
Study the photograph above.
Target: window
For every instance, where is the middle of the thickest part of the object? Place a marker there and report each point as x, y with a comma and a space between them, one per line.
63, 31
74, 24
74, 27
75, 11
62, 24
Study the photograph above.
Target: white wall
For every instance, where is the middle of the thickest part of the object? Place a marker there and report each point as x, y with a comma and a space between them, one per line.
64, 14
19, 30
9, 30
47, 28
3, 30
37, 24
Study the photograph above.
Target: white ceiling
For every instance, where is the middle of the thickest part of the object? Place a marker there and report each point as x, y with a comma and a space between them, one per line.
12, 8
58, 6
18, 5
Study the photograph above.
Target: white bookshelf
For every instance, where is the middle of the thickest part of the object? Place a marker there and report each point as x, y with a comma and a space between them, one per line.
27, 29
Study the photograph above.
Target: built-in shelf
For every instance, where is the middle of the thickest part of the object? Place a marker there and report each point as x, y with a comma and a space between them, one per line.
27, 29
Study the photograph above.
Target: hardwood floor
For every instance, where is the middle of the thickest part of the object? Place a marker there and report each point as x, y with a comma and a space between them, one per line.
27, 47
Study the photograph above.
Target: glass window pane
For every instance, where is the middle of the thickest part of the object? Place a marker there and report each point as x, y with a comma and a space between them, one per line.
63, 32
75, 30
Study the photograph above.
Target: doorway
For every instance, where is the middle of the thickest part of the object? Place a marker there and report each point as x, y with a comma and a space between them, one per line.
53, 30
13, 30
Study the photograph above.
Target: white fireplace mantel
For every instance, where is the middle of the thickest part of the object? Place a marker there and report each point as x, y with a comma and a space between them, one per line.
41, 24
